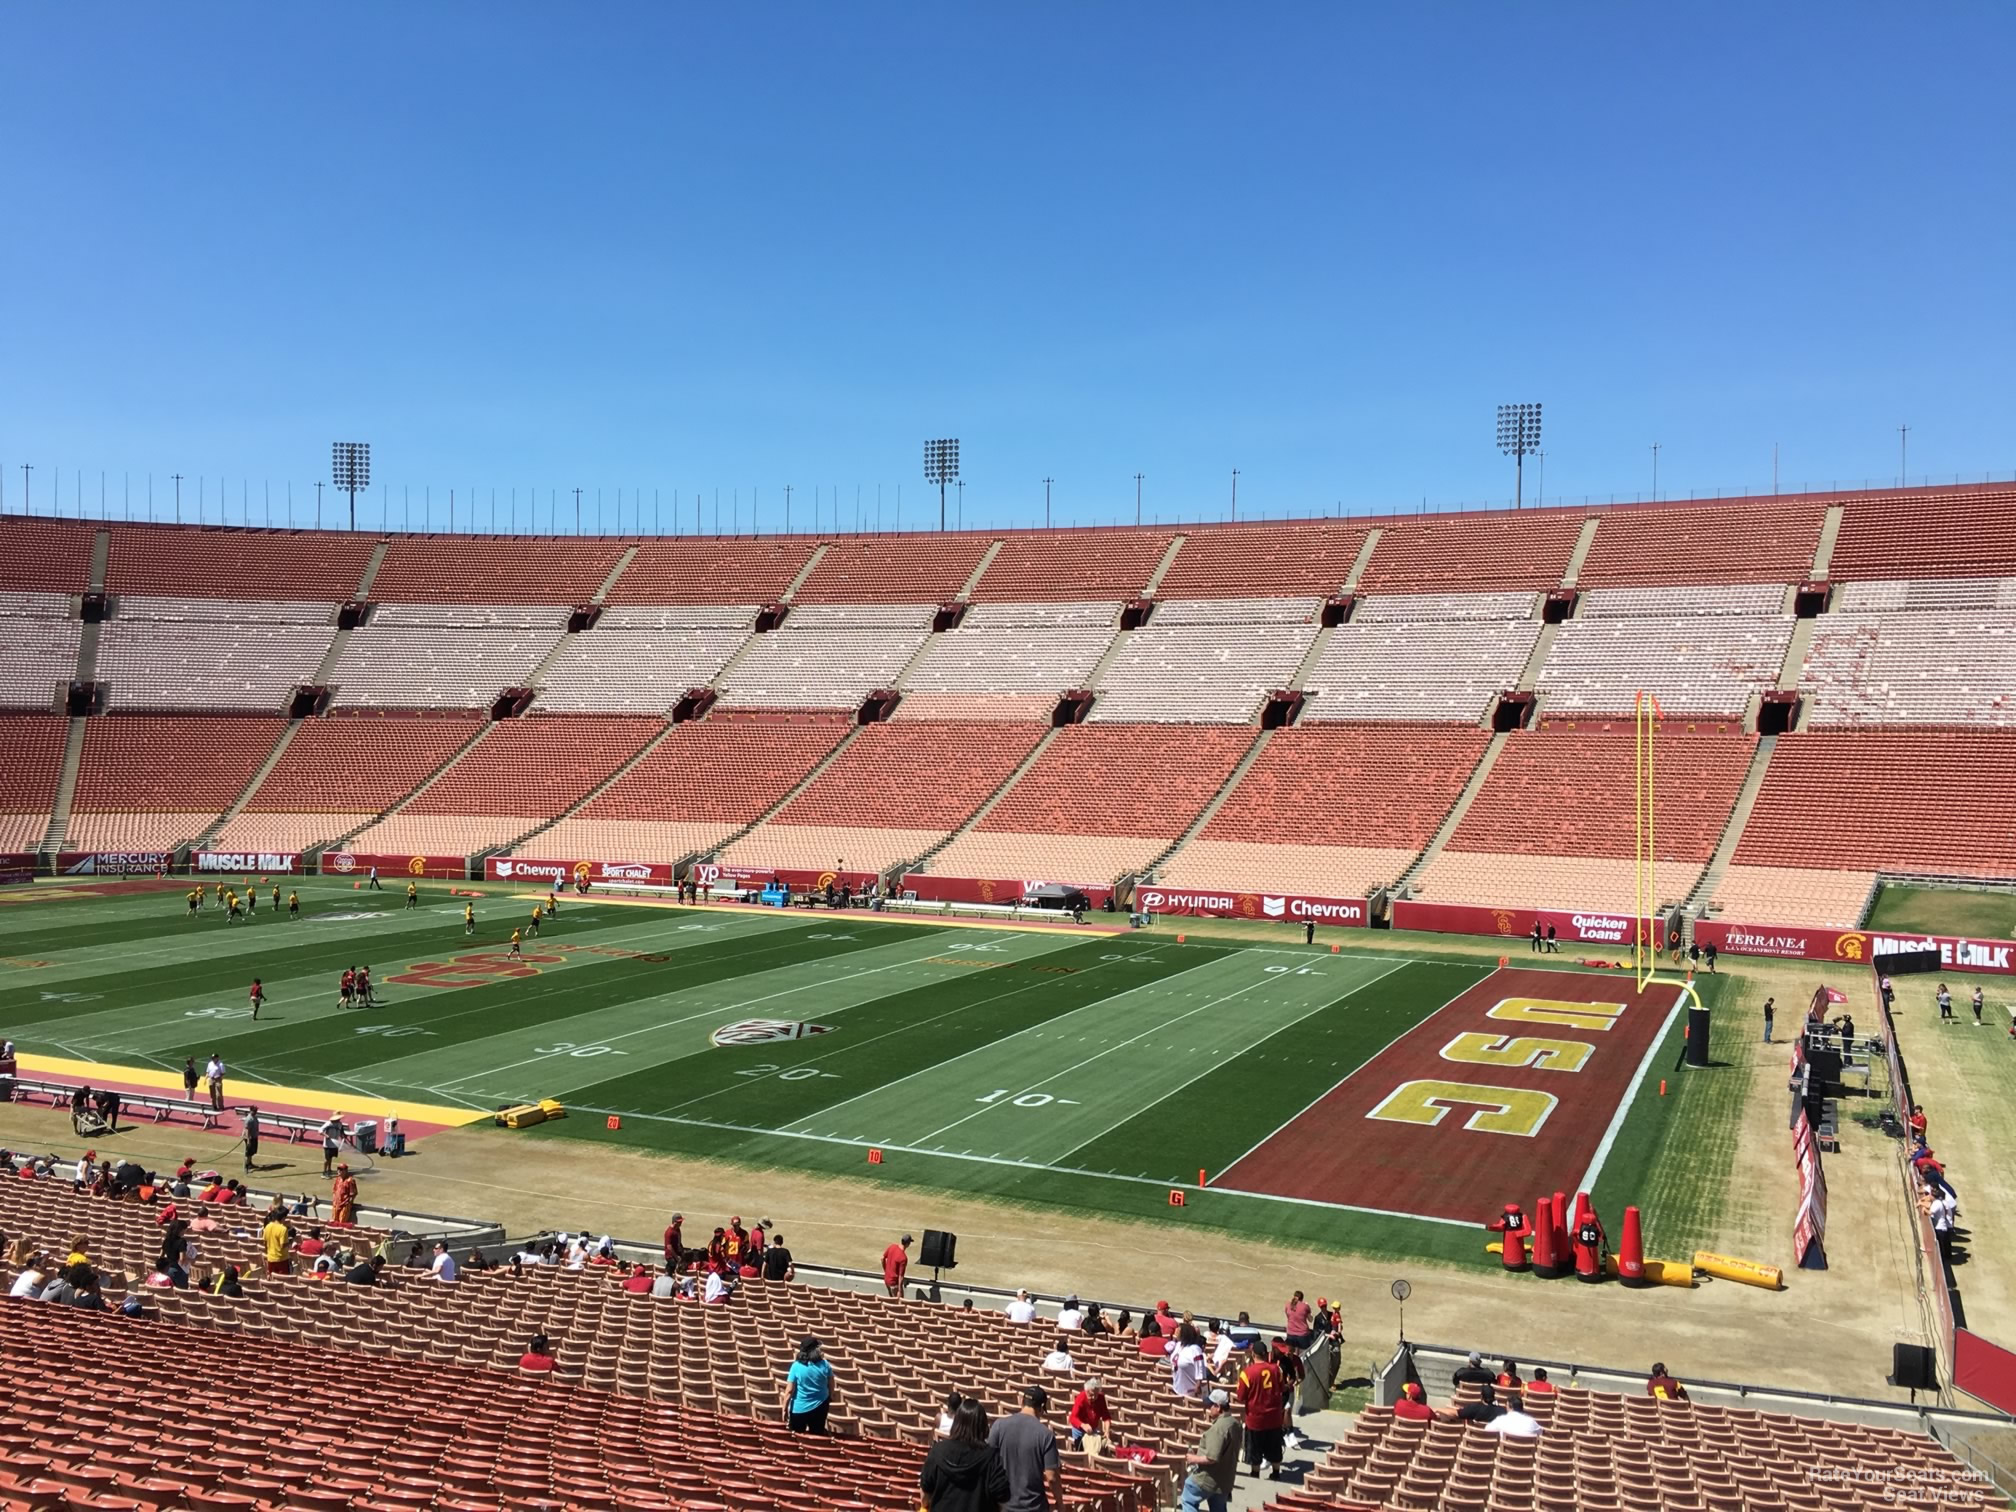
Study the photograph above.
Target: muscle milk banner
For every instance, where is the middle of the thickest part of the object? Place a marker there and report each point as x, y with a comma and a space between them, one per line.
246, 861
523, 869
1867, 947
1588, 926
1006, 892
1218, 903
113, 863
358, 864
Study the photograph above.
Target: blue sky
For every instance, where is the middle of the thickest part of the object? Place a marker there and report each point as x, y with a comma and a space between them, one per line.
670, 249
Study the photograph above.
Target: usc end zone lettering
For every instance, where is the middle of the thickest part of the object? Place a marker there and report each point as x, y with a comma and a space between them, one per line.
1496, 1110
1477, 1049
1597, 1018
477, 970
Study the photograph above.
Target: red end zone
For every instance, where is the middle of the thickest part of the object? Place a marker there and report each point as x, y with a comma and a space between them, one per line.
1509, 1090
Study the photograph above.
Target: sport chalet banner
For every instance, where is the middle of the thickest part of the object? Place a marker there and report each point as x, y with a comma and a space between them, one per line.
530, 869
359, 864
15, 860
1586, 926
1215, 903
113, 863
246, 861
1863, 947
931, 888
716, 874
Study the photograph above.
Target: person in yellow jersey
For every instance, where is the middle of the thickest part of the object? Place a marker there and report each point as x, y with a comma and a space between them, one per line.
293, 905
552, 908
468, 918
251, 901
515, 954
220, 894
194, 898
535, 918
232, 915
412, 894
276, 897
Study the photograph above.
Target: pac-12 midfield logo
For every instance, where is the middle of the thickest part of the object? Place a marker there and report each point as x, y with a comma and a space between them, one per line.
765, 1031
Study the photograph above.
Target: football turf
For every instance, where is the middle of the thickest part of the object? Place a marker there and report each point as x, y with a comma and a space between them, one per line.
1098, 1073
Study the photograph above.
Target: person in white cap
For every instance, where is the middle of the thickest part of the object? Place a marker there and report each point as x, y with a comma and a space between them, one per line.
1214, 1464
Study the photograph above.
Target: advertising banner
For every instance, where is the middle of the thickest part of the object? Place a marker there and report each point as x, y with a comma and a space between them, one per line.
1865, 947
1581, 926
359, 864
799, 878
246, 861
528, 869
1222, 903
1809, 1229
113, 863
1005, 892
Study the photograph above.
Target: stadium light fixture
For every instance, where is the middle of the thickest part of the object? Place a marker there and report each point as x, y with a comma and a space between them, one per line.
350, 470
1518, 437
941, 466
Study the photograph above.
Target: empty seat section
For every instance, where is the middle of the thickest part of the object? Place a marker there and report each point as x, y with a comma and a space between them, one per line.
32, 606
1009, 661
153, 781
1678, 601
1099, 801
1331, 809
827, 656
1955, 532
699, 785
1724, 541
149, 606
1231, 561
1471, 552
1554, 824
1200, 672
38, 659
896, 791
218, 663
908, 569
1953, 666
642, 659
712, 570
1924, 595
1074, 564
495, 569
228, 563
1699, 664
1870, 799
1793, 895
1449, 670
49, 556
392, 662
29, 776
1423, 608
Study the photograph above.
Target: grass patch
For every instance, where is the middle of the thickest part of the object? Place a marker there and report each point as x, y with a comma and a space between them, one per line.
1978, 914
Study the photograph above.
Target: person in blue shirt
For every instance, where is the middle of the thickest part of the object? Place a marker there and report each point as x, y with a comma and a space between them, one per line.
808, 1389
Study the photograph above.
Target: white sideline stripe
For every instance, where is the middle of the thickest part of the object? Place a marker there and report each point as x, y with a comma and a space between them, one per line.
1488, 974
1630, 1094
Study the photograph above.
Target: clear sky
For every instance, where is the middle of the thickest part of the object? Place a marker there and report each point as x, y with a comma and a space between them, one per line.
675, 248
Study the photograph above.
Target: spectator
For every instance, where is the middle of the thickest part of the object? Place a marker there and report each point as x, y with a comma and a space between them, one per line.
176, 1252
1508, 1376
1123, 1326
962, 1473
1540, 1385
638, 1282
675, 1248
538, 1356
1071, 1317
1058, 1361
1262, 1391
1472, 1373
808, 1387
1944, 997
951, 1405
368, 1273
1165, 1321
896, 1265
1187, 1366
1095, 1321
1514, 1421
276, 1239
1769, 1005
1289, 1361
1708, 953
1027, 1450
476, 1260
664, 1285
1481, 1411
1661, 1385
1091, 1418
777, 1264
34, 1276
1297, 1315
1021, 1310
1413, 1404
1214, 1464
228, 1284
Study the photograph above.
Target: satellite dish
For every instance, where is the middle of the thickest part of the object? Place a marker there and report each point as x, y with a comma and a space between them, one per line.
1402, 1291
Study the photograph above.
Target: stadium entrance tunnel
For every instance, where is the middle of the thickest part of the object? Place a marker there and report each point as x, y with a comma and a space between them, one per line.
1513, 711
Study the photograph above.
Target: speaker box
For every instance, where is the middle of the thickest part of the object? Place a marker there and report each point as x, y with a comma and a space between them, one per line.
1908, 962
1914, 1366
938, 1250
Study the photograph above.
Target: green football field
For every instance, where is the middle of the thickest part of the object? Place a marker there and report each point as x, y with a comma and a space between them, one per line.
1095, 1072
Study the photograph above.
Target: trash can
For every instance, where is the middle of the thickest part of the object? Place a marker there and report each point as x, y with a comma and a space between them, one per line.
365, 1134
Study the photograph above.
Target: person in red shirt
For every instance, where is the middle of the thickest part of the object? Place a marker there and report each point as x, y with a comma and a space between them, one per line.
312, 1245
538, 1355
1540, 1385
1090, 1414
1413, 1405
896, 1265
1660, 1384
1298, 1314
675, 1250
348, 991
1508, 1376
638, 1282
258, 996
1262, 1391
1917, 1120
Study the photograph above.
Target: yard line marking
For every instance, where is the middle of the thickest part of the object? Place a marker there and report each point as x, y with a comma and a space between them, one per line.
1485, 975
1133, 1113
611, 1039
1112, 997
1122, 1045
1630, 1094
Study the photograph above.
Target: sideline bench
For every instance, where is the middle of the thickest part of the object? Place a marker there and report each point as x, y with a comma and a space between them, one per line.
164, 1108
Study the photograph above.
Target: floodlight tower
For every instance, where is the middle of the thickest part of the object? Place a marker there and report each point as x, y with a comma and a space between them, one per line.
350, 470
941, 466
1518, 436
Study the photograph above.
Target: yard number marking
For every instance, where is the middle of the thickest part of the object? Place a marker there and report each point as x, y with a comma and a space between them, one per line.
1478, 1049
1497, 1110
794, 1073
579, 1052
1027, 1099
1597, 1018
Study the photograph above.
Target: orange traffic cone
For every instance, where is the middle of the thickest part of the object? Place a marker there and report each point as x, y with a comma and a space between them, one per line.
1631, 1250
